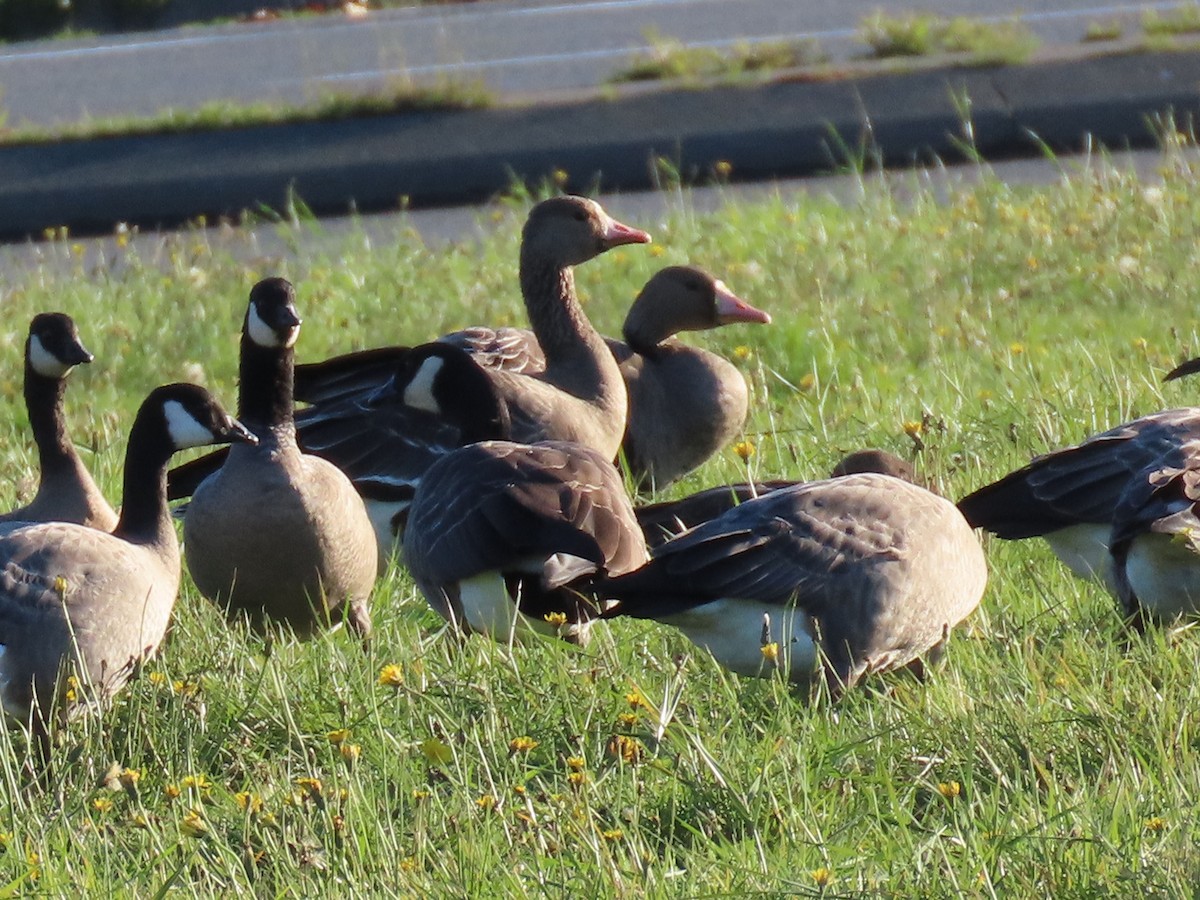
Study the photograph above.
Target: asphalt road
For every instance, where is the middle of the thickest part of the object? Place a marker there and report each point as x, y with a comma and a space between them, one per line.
520, 47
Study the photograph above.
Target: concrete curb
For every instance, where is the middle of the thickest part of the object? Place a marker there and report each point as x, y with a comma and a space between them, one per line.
778, 129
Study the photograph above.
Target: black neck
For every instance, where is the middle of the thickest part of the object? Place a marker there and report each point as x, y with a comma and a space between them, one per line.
145, 518
44, 402
265, 386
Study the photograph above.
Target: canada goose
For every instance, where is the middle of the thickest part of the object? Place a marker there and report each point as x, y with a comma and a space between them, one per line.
1068, 496
580, 395
1155, 541
436, 399
66, 492
275, 534
80, 603
664, 520
499, 534
862, 573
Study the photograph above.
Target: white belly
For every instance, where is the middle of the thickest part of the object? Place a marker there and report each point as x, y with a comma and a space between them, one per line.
488, 609
1084, 550
1165, 574
732, 631
387, 537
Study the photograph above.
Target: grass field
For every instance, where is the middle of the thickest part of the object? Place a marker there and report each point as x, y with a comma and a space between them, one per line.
1050, 755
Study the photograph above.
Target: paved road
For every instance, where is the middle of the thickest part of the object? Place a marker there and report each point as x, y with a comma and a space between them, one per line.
514, 46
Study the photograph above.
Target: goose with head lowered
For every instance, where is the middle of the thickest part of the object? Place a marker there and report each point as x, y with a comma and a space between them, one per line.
500, 535
79, 607
66, 491
1068, 497
277, 535
579, 395
853, 575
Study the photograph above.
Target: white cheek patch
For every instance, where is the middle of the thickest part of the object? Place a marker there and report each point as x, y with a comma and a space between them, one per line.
44, 362
183, 427
264, 335
419, 393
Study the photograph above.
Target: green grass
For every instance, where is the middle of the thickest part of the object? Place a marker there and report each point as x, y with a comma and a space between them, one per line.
928, 34
1097, 32
1182, 20
221, 114
1050, 755
672, 59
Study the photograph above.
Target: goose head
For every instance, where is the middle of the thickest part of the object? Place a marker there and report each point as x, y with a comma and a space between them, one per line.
186, 415
271, 318
571, 230
444, 380
684, 298
54, 347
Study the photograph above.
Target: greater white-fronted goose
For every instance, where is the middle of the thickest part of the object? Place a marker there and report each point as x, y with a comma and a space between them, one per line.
83, 604
66, 492
1068, 496
1155, 542
862, 573
436, 399
580, 395
499, 534
277, 535
664, 520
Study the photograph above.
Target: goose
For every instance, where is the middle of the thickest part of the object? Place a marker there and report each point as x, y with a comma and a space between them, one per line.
664, 520
66, 492
277, 535
500, 534
1067, 496
580, 395
83, 604
436, 398
1155, 542
857, 574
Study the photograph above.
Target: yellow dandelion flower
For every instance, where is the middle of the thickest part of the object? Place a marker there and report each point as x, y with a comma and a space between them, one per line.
744, 449
822, 876
420, 794
102, 804
576, 763
158, 679
723, 168
172, 791
577, 779
741, 353
338, 736
627, 720
624, 748
1140, 344
486, 801
72, 692
636, 701
808, 381
657, 250
185, 688
1156, 824
60, 585
770, 652
139, 820
408, 864
914, 427
5, 839
310, 786
249, 802
1031, 263
519, 790
391, 676
350, 752
560, 176
521, 744
557, 619
1016, 348
613, 834
195, 782
949, 789
193, 824
129, 778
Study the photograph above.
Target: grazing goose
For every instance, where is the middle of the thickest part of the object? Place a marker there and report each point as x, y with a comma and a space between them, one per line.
66, 492
580, 395
436, 399
499, 534
1068, 496
664, 520
78, 602
1155, 542
276, 534
863, 573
